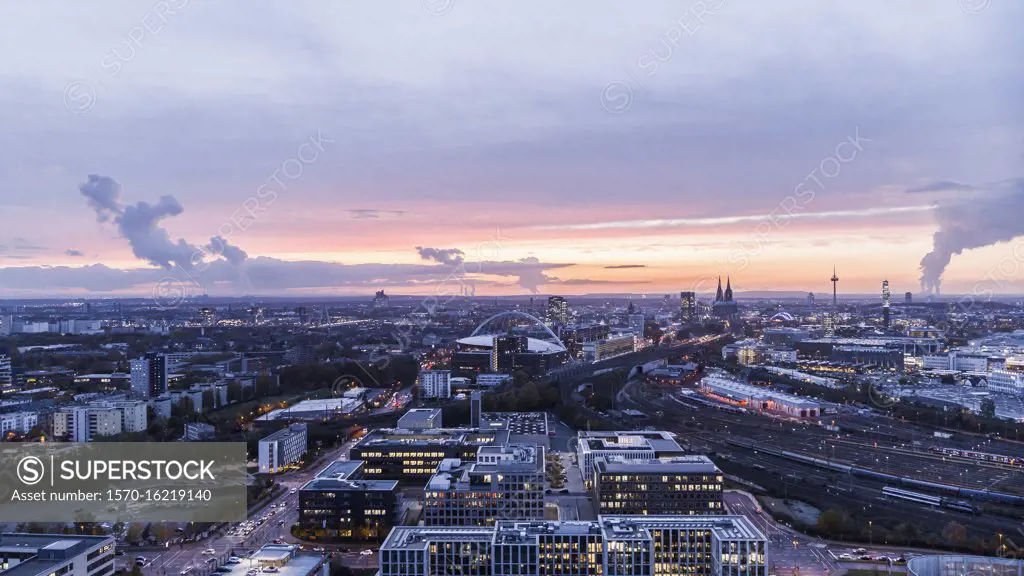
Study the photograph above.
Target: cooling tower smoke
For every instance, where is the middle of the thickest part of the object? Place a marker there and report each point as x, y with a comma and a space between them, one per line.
977, 216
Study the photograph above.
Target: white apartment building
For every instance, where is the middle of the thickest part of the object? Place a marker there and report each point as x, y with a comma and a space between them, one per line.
83, 423
1006, 382
282, 448
492, 380
20, 422
435, 383
6, 375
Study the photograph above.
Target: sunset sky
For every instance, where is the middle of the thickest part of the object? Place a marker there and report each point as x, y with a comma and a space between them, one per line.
525, 147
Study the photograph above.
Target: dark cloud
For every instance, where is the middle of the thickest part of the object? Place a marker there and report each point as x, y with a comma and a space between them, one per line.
73, 253
624, 266
942, 186
446, 256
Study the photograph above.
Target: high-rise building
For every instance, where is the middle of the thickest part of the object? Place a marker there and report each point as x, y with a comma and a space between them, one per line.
828, 323
149, 376
558, 311
282, 448
687, 306
435, 383
612, 546
810, 299
476, 408
6, 324
504, 351
6, 373
908, 298
886, 301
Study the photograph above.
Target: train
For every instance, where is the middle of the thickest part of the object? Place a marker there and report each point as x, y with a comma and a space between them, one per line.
930, 500
952, 491
974, 455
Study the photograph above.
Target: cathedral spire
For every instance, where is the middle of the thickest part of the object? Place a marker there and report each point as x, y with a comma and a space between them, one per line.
718, 295
728, 289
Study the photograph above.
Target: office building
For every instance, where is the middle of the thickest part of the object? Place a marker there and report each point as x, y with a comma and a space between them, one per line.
56, 555
340, 500
149, 376
609, 546
503, 483
504, 351
574, 337
615, 345
420, 419
284, 447
558, 311
688, 307
908, 298
629, 445
412, 456
18, 422
435, 383
682, 486
6, 325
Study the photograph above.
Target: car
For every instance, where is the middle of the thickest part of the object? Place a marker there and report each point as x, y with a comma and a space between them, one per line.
140, 560
366, 553
252, 572
211, 560
293, 490
845, 556
223, 569
234, 560
209, 551
280, 522
278, 541
270, 569
185, 570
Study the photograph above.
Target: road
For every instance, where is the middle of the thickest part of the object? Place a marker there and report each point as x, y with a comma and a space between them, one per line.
279, 514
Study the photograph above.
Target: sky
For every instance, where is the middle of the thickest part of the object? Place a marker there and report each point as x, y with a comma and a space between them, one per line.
448, 146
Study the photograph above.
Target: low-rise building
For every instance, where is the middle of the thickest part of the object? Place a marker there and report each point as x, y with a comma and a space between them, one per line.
760, 399
420, 419
504, 483
19, 422
56, 555
199, 431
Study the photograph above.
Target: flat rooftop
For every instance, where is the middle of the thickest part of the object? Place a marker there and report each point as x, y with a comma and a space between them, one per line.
679, 465
659, 441
384, 437
50, 550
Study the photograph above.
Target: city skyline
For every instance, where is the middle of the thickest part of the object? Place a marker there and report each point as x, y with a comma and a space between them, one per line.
641, 153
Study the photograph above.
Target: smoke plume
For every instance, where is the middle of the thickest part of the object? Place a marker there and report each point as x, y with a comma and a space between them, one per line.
979, 216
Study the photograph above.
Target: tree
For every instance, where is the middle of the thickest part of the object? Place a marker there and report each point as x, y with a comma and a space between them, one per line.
234, 391
135, 531
832, 521
209, 400
161, 531
954, 534
988, 408
528, 398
